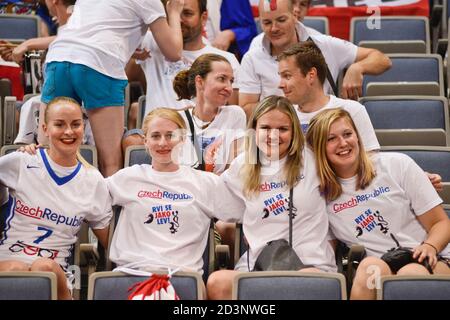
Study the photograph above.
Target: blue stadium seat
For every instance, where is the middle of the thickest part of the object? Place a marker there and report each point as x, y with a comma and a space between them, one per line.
410, 68
432, 287
289, 285
317, 23
430, 159
115, 285
392, 34
28, 286
14, 27
392, 114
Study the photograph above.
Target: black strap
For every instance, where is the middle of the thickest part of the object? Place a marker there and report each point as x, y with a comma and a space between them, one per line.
329, 76
198, 151
291, 198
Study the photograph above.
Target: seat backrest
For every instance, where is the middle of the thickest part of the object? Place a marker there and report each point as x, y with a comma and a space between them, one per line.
407, 112
424, 88
412, 137
141, 111
89, 153
411, 68
9, 120
136, 155
28, 286
431, 287
390, 28
289, 285
19, 27
115, 285
317, 23
396, 46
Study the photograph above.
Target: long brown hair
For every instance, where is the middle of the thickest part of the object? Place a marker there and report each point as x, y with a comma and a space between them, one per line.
317, 137
251, 170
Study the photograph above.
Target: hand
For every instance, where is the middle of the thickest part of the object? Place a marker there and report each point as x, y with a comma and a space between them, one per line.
175, 6
141, 54
436, 181
6, 49
352, 83
426, 251
30, 148
19, 52
210, 154
224, 39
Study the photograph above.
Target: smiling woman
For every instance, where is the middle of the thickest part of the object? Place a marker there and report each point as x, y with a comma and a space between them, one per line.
50, 194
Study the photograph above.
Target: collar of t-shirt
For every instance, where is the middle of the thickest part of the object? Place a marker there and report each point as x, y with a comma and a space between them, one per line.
59, 170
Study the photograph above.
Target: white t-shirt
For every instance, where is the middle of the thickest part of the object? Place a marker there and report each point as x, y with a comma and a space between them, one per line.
265, 217
258, 40
103, 34
227, 126
160, 73
259, 69
358, 113
165, 217
47, 204
399, 193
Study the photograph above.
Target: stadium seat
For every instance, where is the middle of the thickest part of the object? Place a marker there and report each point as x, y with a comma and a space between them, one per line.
136, 155
288, 285
409, 68
317, 23
447, 209
9, 120
425, 118
431, 287
19, 27
28, 286
430, 159
141, 111
115, 285
394, 34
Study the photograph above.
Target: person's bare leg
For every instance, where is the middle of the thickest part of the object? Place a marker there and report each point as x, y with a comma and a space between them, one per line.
107, 128
48, 265
220, 284
132, 116
14, 265
132, 140
367, 278
42, 139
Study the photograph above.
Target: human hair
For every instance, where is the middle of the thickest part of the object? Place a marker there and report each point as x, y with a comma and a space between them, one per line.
165, 113
251, 170
61, 100
307, 56
67, 3
201, 5
184, 81
317, 138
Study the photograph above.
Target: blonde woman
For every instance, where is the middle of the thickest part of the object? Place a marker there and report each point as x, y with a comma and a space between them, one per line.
381, 201
50, 194
167, 208
276, 160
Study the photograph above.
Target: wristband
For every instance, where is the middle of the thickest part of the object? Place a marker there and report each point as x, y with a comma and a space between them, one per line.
431, 246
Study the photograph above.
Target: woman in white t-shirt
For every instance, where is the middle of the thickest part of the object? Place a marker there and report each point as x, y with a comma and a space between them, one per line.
379, 200
167, 208
50, 194
218, 127
275, 160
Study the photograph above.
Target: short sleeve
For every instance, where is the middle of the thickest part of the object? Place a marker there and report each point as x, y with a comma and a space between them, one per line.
101, 213
10, 169
150, 10
249, 81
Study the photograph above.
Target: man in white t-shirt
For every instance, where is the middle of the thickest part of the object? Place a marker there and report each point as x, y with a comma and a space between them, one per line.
160, 73
281, 29
302, 69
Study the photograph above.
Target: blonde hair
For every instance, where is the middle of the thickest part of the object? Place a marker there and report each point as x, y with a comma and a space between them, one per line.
68, 100
165, 113
251, 170
317, 137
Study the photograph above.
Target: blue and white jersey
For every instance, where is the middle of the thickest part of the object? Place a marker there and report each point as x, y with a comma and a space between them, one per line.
46, 206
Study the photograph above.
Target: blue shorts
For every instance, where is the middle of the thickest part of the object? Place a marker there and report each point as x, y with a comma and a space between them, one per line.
83, 84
